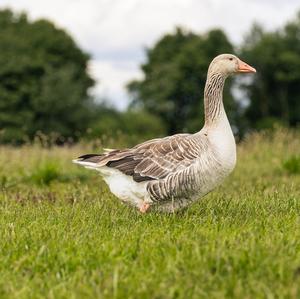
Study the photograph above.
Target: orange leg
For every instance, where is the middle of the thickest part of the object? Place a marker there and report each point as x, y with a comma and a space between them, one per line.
144, 207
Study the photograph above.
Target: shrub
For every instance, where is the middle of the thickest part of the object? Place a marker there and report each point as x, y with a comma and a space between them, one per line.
46, 173
292, 165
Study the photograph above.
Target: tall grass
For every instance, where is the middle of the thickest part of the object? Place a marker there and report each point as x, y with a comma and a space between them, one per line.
63, 235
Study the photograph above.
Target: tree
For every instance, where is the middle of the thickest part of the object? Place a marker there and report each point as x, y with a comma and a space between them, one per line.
135, 126
275, 91
43, 80
174, 78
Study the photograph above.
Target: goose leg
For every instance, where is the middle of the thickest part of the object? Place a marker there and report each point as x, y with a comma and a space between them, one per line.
144, 207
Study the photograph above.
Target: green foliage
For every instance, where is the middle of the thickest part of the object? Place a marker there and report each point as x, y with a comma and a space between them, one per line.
76, 240
292, 164
43, 80
174, 78
136, 125
269, 123
3, 181
275, 90
45, 173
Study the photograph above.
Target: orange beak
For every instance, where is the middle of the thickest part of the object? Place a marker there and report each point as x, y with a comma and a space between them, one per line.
243, 67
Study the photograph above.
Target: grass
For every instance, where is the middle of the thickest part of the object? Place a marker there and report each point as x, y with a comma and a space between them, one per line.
63, 235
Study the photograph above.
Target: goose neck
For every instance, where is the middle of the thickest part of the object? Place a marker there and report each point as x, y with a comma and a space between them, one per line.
213, 98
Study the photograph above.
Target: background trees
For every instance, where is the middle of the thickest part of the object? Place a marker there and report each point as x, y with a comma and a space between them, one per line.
174, 78
44, 83
135, 124
43, 80
275, 90
175, 73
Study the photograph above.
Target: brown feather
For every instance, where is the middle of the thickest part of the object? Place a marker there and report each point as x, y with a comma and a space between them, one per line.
152, 160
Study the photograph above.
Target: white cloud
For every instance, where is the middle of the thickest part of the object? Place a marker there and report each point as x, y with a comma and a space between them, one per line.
111, 86
116, 31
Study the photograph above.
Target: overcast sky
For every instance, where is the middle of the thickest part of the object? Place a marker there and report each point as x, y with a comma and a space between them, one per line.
115, 32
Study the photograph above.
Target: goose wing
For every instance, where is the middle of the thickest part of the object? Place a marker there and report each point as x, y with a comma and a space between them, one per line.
152, 160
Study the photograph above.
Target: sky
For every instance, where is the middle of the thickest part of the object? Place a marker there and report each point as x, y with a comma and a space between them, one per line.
116, 32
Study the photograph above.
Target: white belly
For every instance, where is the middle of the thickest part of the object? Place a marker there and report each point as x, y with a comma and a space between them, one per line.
124, 187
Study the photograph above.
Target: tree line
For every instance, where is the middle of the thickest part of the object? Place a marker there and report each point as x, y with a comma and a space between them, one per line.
44, 83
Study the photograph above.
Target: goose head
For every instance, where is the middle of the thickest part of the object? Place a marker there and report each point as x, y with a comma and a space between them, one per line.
227, 64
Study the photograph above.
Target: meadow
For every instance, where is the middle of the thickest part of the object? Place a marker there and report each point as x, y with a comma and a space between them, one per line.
63, 235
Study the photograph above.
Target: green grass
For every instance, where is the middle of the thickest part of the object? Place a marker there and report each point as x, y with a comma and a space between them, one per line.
63, 235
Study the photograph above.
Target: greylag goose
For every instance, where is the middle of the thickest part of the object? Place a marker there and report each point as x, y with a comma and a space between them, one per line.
167, 174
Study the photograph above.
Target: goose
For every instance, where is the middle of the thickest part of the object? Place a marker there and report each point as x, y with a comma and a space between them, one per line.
168, 174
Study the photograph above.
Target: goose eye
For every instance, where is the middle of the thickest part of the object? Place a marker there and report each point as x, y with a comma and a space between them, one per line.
231, 58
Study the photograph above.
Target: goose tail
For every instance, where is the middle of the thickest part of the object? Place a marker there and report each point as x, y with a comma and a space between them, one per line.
90, 161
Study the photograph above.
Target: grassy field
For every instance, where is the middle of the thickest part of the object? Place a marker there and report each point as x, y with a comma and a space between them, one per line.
63, 235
